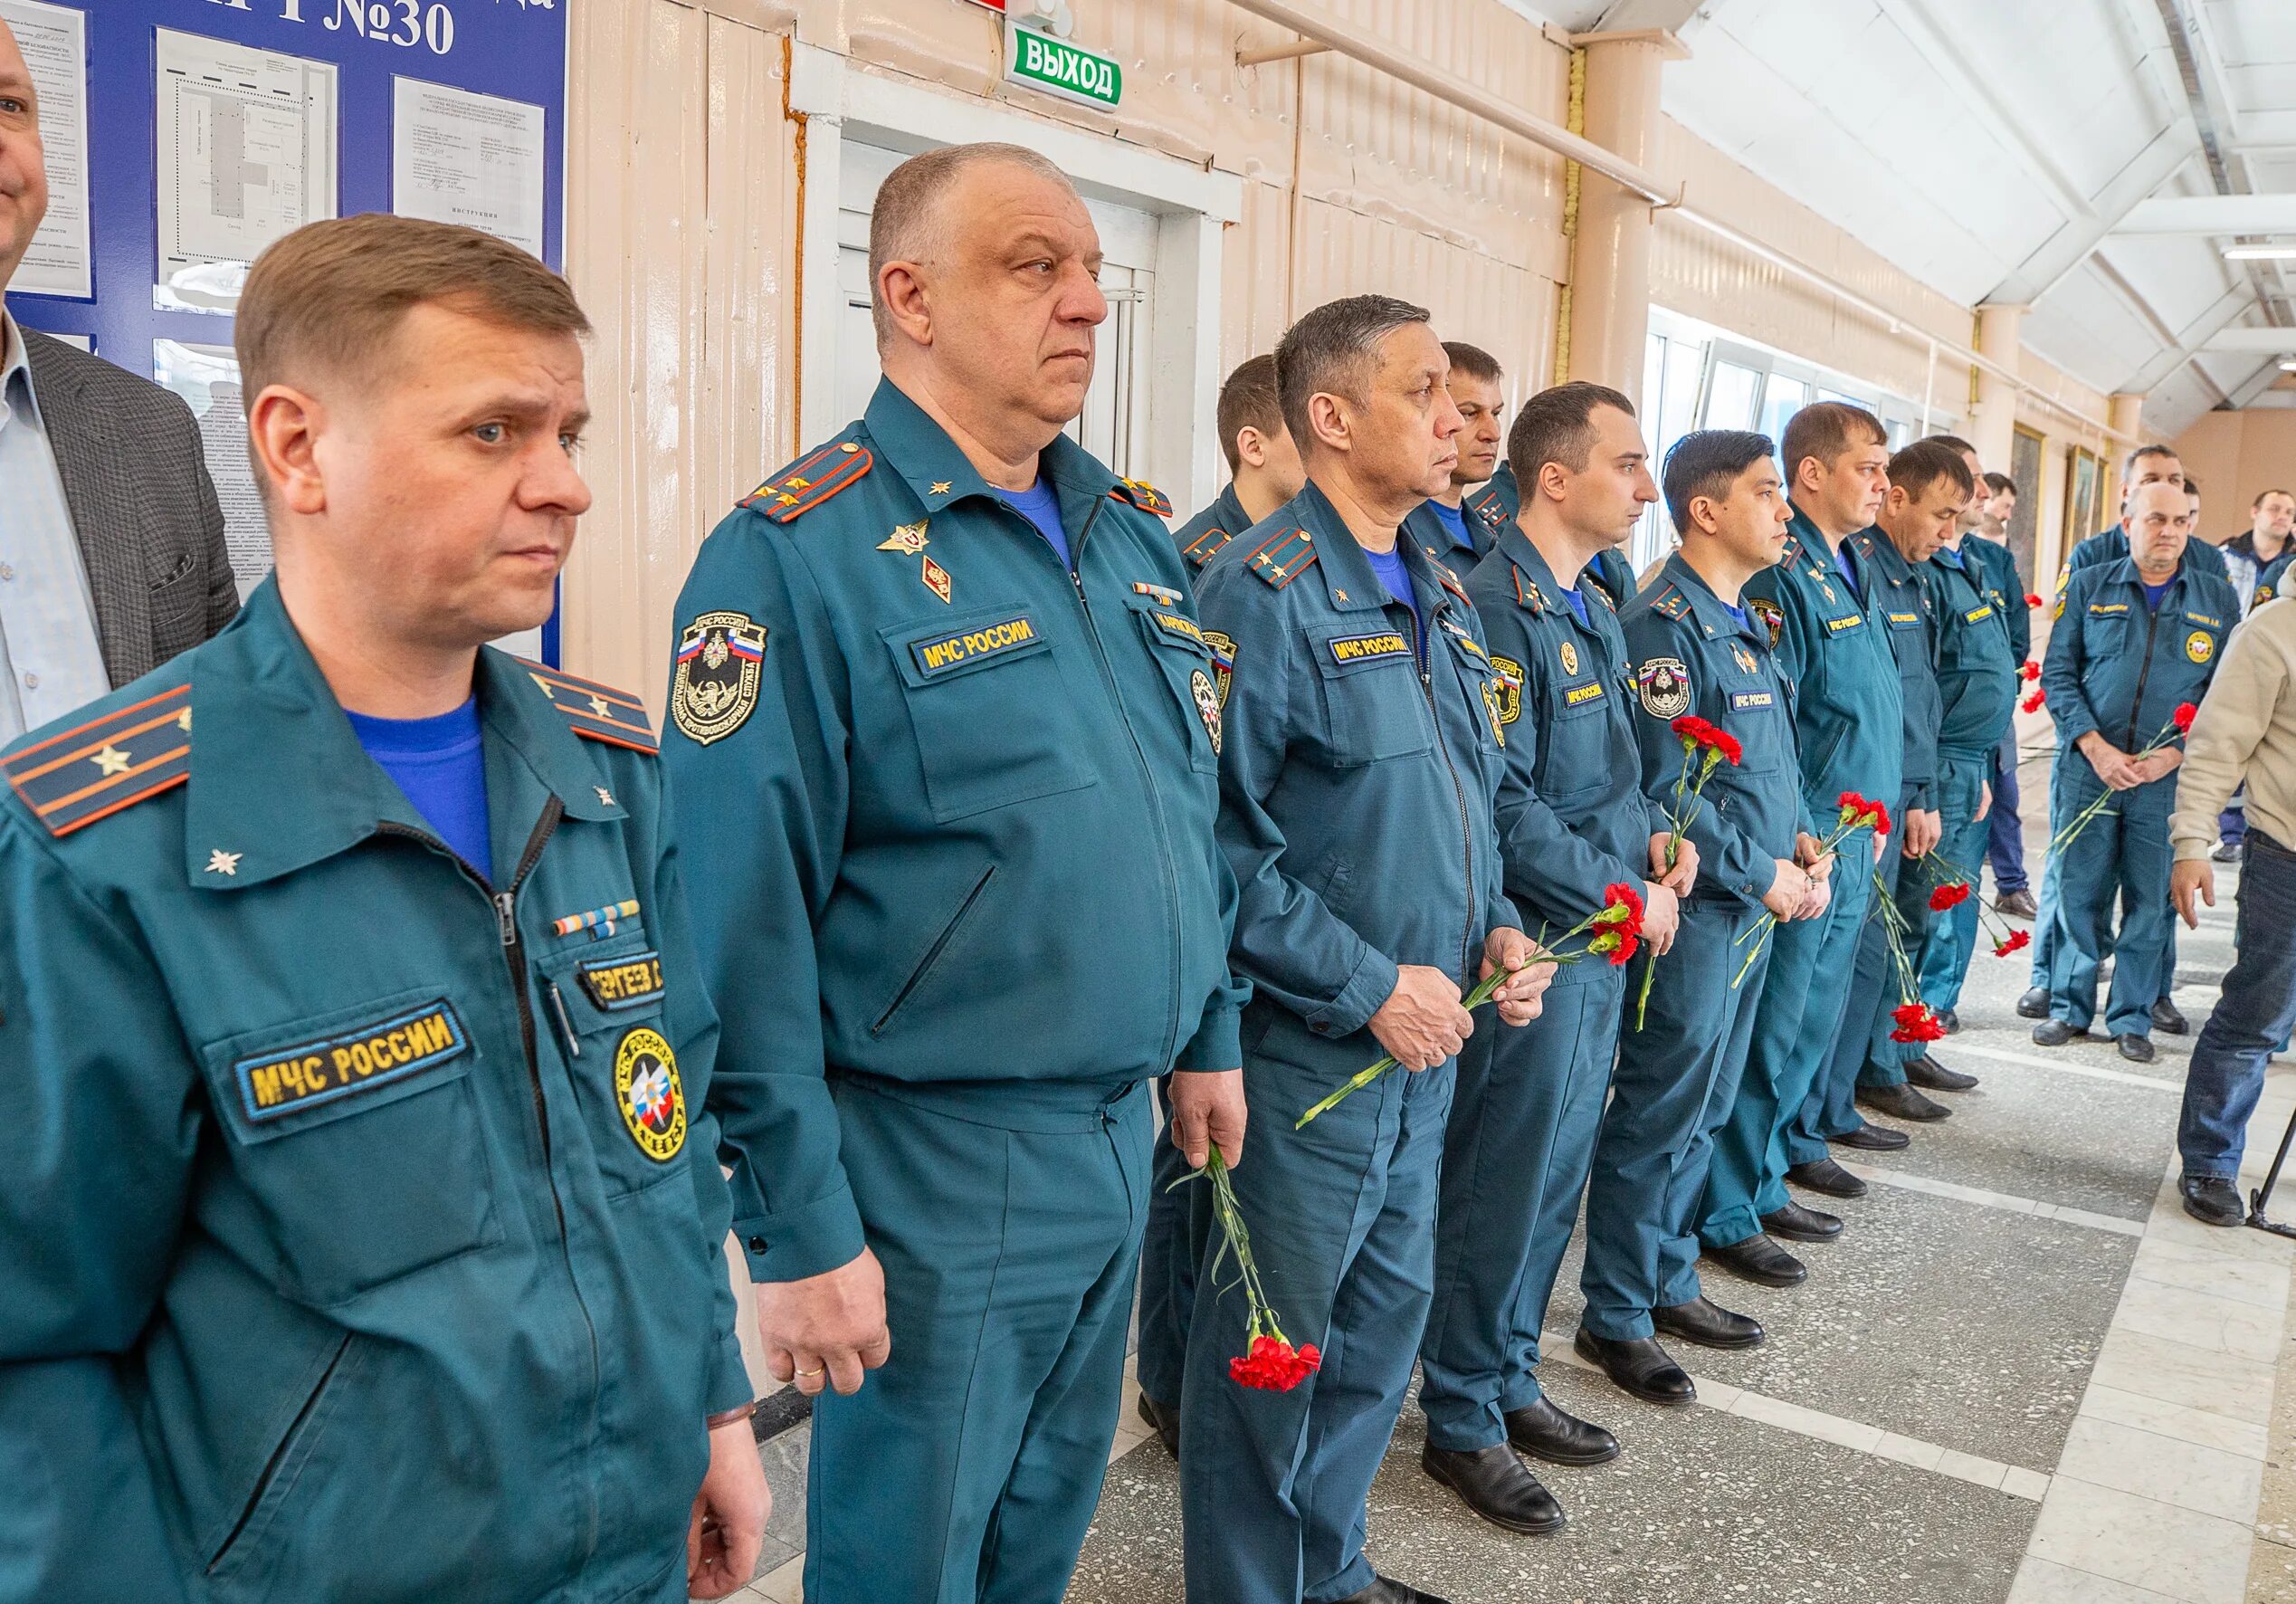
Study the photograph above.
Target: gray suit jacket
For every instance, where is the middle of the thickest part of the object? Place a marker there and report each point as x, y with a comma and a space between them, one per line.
142, 506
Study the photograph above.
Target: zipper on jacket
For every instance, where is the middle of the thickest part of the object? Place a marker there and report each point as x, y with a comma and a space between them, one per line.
2137, 702
1466, 829
932, 953
278, 1454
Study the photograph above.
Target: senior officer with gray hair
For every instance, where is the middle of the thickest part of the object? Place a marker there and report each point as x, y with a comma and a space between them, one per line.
362, 1224
945, 746
1358, 794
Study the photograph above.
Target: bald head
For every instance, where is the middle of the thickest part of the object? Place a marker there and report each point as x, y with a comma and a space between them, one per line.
2158, 522
24, 173
911, 219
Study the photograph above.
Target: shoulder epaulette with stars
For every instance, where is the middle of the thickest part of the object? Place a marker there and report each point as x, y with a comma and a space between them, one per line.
1284, 557
1670, 602
96, 768
1143, 495
595, 711
1450, 581
810, 479
1792, 553
1528, 593
1486, 506
1205, 546
1602, 591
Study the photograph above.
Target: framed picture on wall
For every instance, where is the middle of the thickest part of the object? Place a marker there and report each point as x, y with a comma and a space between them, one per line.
2084, 496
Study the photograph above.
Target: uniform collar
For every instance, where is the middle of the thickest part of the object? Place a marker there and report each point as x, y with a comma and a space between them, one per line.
279, 781
1533, 566
1228, 512
921, 451
1875, 546
1349, 584
1714, 618
2123, 572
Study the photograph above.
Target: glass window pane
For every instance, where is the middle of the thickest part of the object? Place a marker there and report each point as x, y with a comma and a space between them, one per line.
1729, 405
1782, 397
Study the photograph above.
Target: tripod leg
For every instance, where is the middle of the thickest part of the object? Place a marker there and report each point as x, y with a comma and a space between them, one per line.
2263, 1195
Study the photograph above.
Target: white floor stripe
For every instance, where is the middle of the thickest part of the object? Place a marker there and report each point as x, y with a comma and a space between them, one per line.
1881, 1175
2064, 1066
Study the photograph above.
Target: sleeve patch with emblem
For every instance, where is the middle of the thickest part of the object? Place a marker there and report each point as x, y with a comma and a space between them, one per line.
1223, 662
647, 1089
1510, 688
714, 687
1664, 684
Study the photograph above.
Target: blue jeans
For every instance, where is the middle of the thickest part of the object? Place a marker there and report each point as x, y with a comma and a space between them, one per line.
2004, 835
2253, 1017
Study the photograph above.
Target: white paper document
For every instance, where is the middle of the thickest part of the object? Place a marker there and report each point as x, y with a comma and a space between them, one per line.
246, 154
54, 41
208, 377
470, 158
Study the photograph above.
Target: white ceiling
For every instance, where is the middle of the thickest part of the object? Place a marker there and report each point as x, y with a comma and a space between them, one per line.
1989, 147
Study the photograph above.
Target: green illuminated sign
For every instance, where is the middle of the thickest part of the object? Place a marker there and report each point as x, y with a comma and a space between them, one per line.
1056, 67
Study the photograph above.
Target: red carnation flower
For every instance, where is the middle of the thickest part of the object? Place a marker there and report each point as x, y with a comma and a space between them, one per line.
2029, 672
1274, 1365
1916, 1023
1949, 896
1704, 734
1622, 910
2183, 716
2031, 599
2017, 940
2032, 703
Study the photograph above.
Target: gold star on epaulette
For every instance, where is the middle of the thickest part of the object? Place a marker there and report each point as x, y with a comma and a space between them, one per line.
941, 487
111, 761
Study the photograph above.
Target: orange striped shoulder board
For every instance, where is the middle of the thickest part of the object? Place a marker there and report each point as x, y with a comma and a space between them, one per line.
1283, 558
810, 479
96, 768
1205, 546
595, 711
1143, 495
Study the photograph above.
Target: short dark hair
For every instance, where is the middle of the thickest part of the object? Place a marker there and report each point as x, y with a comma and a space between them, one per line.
1825, 430
1557, 425
1922, 465
1707, 462
2274, 491
1472, 360
1998, 483
2129, 467
2192, 485
1953, 443
1328, 349
1248, 401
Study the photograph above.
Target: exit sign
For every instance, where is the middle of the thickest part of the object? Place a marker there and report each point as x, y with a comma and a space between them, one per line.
995, 5
1055, 67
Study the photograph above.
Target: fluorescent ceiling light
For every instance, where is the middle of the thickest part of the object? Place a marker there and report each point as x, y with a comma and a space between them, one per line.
2289, 365
2259, 253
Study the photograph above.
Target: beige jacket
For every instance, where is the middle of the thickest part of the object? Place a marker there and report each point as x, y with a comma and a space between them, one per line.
2246, 732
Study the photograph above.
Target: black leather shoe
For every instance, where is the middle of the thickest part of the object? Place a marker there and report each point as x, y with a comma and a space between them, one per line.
1798, 1224
1386, 1590
1544, 1431
1493, 1483
2167, 1018
1165, 1422
1823, 1175
2135, 1048
1762, 1261
1708, 1325
1901, 1102
1640, 1366
1927, 1074
2017, 904
1872, 1138
2055, 1033
2034, 1004
1951, 1020
2211, 1201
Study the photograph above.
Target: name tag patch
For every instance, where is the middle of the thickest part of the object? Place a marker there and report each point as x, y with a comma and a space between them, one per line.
2108, 606
1904, 620
1978, 614
1836, 625
283, 1081
939, 653
1179, 624
1362, 648
1580, 695
617, 983
1742, 700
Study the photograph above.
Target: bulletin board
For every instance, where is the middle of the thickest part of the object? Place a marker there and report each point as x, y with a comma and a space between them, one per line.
182, 136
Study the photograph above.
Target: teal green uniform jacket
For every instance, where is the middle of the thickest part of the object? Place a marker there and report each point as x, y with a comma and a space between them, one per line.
1358, 793
2119, 668
1201, 537
395, 1211
950, 805
1901, 600
1849, 710
1971, 656
1996, 570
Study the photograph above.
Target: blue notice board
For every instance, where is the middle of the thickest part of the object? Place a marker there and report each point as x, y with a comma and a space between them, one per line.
513, 51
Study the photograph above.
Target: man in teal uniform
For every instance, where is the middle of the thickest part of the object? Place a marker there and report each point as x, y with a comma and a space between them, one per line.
363, 1229
1929, 488
1978, 615
1501, 497
1357, 787
2137, 637
2004, 829
1477, 389
944, 755
1573, 820
1263, 464
1828, 639
1698, 652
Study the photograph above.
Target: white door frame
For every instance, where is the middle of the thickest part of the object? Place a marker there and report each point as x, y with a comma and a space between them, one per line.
841, 100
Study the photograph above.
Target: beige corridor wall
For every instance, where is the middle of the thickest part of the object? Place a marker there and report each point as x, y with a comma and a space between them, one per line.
2236, 455
686, 177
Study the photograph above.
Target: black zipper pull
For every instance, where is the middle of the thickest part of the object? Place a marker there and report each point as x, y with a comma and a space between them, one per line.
559, 1015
